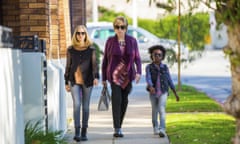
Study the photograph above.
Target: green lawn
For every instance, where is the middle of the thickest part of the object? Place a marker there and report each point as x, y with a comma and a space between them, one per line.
192, 101
197, 119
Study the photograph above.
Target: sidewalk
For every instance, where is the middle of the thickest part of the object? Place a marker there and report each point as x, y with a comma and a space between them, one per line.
137, 126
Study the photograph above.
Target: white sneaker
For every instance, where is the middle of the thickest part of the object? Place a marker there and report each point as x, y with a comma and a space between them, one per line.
156, 131
162, 133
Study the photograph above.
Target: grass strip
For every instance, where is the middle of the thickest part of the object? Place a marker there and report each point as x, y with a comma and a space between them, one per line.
200, 128
197, 119
192, 100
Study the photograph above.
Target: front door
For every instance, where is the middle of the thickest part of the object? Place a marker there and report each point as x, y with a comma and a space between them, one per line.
1, 12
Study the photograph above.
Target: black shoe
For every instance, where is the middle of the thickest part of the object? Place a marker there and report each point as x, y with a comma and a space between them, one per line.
77, 134
84, 138
118, 135
77, 138
84, 134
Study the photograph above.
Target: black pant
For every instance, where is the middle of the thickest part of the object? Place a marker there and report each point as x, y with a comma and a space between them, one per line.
119, 103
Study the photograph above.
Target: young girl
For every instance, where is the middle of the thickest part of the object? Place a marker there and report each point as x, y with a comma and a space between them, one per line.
158, 81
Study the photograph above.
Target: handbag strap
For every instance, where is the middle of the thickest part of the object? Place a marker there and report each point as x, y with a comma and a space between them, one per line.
105, 90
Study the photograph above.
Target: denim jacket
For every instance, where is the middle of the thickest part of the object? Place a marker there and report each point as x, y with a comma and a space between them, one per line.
165, 78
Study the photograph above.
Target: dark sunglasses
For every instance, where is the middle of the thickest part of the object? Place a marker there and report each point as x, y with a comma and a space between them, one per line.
157, 55
122, 27
80, 33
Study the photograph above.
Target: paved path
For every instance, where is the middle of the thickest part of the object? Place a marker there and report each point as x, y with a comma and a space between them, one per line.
137, 126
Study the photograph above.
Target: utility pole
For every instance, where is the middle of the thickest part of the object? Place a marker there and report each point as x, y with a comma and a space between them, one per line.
134, 14
95, 10
179, 46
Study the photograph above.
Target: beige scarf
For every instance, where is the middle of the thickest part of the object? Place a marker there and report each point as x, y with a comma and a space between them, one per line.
80, 47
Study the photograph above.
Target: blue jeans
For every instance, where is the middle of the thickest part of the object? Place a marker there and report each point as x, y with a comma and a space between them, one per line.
158, 109
81, 97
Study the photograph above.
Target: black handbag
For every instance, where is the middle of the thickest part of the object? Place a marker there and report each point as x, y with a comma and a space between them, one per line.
105, 99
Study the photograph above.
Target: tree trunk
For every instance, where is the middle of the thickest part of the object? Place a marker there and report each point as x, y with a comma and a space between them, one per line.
232, 105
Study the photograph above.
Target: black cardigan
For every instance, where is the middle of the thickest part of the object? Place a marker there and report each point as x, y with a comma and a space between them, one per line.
87, 61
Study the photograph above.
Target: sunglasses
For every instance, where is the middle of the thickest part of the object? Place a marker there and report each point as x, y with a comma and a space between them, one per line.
157, 55
122, 27
80, 33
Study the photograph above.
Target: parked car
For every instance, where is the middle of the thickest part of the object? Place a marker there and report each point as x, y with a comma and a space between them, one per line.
99, 32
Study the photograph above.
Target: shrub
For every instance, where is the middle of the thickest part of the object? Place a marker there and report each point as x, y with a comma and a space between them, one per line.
34, 134
194, 28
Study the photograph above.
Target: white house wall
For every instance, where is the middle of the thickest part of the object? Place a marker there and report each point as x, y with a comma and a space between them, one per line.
11, 108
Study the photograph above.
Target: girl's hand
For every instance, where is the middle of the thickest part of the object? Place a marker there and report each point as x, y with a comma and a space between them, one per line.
152, 90
137, 78
177, 98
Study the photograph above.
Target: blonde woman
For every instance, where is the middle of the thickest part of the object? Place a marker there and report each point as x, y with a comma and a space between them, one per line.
81, 74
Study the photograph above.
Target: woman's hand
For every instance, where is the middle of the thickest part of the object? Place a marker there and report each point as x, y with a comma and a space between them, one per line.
67, 87
95, 82
137, 78
104, 83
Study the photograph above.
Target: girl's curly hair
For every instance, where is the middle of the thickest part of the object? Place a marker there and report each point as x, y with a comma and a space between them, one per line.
157, 47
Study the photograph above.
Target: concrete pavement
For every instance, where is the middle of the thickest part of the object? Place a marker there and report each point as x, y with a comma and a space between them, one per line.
137, 126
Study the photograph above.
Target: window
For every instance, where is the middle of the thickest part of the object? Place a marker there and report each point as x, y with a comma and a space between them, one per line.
139, 36
103, 34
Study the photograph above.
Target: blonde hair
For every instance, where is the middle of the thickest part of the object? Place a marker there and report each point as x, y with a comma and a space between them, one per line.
87, 39
120, 18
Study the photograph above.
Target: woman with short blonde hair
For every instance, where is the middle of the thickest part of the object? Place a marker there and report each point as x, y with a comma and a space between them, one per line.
121, 65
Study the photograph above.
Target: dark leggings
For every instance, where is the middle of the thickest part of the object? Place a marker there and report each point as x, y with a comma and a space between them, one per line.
119, 103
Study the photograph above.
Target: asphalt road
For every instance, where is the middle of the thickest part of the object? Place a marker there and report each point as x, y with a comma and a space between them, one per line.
210, 74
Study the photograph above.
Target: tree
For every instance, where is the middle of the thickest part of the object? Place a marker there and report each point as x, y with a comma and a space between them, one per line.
227, 12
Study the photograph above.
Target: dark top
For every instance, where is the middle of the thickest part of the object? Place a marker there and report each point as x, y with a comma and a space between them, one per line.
87, 61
